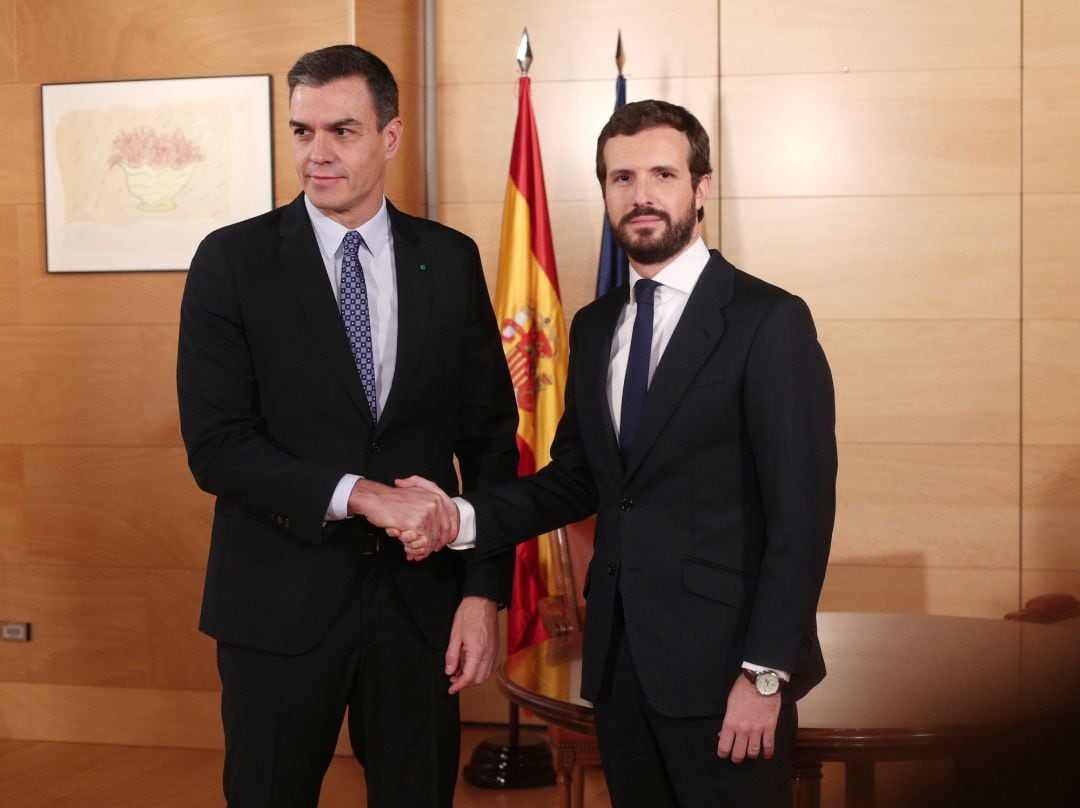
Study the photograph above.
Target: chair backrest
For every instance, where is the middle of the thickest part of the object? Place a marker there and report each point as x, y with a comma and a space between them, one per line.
572, 548
1053, 607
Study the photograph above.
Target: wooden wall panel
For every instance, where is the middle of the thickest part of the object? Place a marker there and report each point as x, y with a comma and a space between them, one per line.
1051, 256
89, 624
21, 176
114, 506
1051, 32
12, 508
1037, 582
794, 36
1052, 508
575, 41
111, 715
948, 506
181, 658
948, 132
920, 589
945, 382
1051, 271
131, 39
11, 409
1052, 382
908, 257
7, 41
79, 385
10, 299
1051, 121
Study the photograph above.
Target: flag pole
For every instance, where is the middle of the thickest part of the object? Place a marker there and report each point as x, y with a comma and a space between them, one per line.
612, 267
512, 760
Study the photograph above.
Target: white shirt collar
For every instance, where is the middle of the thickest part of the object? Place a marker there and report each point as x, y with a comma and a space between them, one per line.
375, 231
682, 273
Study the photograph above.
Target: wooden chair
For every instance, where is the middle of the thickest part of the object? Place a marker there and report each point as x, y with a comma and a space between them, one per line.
563, 612
1053, 607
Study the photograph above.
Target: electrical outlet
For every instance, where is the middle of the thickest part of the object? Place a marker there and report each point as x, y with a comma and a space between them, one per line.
15, 632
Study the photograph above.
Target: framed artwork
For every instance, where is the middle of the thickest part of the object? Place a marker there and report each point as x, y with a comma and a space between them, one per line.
137, 172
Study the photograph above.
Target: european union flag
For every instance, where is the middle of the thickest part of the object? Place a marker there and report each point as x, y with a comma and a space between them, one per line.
613, 269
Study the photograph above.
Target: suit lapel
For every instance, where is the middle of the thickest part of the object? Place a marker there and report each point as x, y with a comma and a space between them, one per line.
693, 341
413, 269
302, 263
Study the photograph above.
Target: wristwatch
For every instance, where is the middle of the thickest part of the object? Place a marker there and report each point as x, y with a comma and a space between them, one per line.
766, 682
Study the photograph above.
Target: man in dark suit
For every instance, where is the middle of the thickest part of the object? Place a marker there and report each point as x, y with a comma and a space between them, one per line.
327, 348
699, 426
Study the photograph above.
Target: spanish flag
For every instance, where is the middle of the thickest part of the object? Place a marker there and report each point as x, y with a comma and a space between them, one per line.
534, 339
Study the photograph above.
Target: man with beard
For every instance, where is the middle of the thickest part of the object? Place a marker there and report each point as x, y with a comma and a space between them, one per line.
699, 426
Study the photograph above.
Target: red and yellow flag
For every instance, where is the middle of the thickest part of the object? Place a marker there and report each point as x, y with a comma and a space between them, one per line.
534, 338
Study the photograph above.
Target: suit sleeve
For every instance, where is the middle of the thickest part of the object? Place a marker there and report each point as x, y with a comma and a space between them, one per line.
218, 397
486, 446
790, 413
558, 494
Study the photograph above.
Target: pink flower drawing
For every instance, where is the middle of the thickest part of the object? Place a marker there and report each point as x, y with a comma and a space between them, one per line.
144, 146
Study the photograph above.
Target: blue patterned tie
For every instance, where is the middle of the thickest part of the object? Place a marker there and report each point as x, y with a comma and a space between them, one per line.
636, 385
354, 313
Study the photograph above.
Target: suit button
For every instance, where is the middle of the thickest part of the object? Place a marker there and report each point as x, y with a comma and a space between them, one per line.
375, 448
626, 504
610, 569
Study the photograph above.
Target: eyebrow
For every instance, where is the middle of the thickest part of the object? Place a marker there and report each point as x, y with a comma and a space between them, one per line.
672, 169
334, 125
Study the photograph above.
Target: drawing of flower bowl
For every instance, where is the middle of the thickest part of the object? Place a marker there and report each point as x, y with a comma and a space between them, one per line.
156, 166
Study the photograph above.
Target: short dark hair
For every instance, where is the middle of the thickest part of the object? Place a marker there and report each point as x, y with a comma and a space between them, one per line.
640, 115
325, 65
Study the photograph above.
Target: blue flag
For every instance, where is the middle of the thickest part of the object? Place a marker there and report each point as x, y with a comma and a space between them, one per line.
613, 269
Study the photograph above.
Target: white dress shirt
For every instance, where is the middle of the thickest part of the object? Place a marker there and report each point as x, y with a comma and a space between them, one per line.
377, 260
677, 281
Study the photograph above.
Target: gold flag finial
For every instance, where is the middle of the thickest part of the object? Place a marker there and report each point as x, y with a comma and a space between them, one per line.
524, 52
620, 59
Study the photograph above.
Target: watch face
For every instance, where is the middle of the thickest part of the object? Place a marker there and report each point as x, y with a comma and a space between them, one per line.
768, 683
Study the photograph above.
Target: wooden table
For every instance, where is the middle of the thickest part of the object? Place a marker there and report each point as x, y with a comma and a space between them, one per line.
900, 687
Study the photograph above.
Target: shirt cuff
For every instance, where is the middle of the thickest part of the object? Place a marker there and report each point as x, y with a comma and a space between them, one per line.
338, 508
466, 534
750, 666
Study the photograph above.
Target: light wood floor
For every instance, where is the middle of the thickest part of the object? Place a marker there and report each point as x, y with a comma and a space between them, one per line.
36, 774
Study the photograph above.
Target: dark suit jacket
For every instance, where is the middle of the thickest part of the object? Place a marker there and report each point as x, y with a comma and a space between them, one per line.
273, 413
716, 532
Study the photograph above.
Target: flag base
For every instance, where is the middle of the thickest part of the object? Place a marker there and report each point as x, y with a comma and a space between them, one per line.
504, 761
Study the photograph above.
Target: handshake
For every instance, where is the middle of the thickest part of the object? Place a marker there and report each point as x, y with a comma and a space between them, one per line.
414, 510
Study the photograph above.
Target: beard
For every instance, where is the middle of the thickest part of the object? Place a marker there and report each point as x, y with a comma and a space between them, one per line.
648, 249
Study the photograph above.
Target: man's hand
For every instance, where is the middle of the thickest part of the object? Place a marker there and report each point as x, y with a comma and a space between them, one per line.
416, 549
415, 515
474, 643
749, 727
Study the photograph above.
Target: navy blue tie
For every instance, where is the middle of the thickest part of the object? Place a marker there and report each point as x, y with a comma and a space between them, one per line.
355, 315
636, 385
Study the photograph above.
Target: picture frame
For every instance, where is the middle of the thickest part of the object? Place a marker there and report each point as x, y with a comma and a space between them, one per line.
138, 172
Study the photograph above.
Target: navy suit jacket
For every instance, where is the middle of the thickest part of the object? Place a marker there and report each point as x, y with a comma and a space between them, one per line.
715, 533
273, 413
